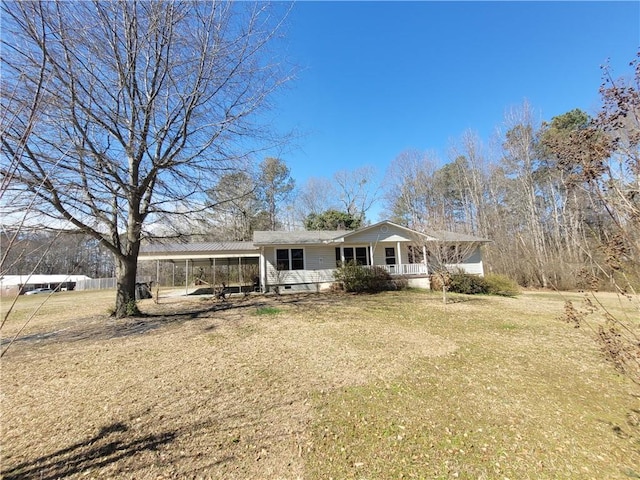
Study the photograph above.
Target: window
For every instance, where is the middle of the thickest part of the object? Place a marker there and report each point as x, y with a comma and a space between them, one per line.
290, 259
348, 255
297, 259
390, 255
282, 259
351, 254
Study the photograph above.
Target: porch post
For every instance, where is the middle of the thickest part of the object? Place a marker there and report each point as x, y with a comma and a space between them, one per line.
263, 271
424, 259
371, 254
158, 272
213, 275
399, 258
240, 272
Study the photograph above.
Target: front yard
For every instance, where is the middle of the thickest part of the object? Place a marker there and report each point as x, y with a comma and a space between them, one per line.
394, 385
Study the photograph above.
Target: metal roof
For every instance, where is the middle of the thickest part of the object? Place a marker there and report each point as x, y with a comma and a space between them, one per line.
212, 247
296, 238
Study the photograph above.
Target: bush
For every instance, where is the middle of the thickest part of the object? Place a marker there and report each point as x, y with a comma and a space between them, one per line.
437, 279
467, 283
359, 279
380, 280
353, 277
501, 285
399, 283
492, 284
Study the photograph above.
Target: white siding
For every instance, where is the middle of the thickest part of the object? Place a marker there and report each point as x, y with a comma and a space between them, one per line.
319, 264
320, 258
472, 265
383, 233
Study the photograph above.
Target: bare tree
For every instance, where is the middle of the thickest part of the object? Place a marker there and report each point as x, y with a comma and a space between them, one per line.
315, 196
473, 180
522, 161
352, 192
407, 188
356, 189
145, 104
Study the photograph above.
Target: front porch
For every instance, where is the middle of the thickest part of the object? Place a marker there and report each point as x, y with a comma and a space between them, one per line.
397, 258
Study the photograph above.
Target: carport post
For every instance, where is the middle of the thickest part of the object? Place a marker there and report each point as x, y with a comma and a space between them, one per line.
158, 272
186, 277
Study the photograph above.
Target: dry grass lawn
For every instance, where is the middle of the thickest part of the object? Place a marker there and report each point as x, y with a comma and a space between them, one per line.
394, 385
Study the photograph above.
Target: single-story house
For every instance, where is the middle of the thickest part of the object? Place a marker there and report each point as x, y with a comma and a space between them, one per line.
18, 284
306, 260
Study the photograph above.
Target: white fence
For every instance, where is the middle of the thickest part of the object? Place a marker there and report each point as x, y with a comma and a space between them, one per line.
104, 283
96, 284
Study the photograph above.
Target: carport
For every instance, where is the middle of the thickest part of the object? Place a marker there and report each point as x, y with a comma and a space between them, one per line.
232, 264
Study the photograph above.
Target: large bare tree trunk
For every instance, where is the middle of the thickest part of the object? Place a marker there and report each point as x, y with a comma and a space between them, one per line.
126, 271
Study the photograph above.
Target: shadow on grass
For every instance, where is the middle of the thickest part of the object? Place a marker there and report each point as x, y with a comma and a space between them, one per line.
109, 445
116, 442
107, 328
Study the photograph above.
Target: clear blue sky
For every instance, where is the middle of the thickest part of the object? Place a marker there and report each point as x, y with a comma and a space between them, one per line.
377, 78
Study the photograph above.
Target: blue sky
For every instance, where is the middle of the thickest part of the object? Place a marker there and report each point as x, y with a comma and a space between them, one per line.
378, 78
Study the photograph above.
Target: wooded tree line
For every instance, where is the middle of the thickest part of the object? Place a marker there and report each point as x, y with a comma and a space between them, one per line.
53, 253
559, 199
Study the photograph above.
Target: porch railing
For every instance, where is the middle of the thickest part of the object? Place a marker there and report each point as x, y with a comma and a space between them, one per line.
405, 269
